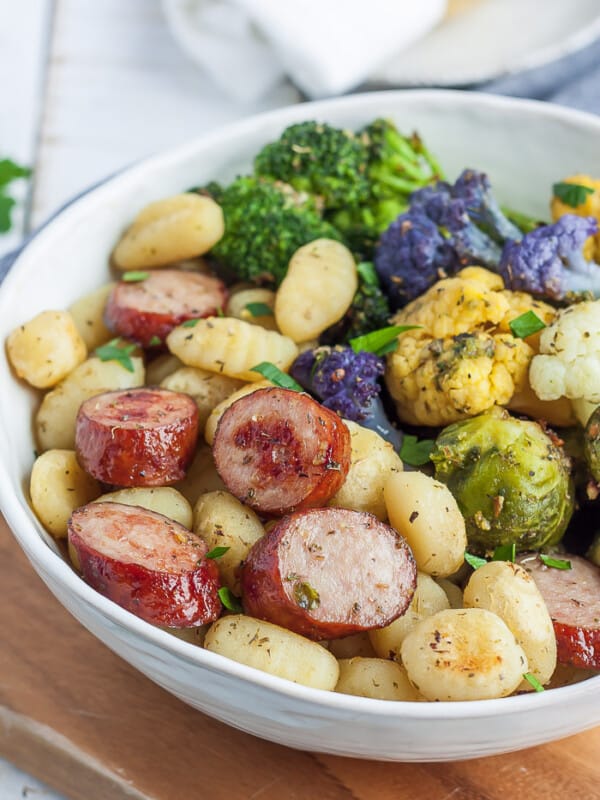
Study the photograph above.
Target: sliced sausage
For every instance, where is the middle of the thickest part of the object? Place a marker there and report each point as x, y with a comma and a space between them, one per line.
137, 437
278, 451
573, 600
146, 563
329, 572
149, 309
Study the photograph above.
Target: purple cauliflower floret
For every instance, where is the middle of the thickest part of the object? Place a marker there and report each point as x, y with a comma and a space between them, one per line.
549, 261
347, 382
475, 189
446, 227
412, 255
450, 214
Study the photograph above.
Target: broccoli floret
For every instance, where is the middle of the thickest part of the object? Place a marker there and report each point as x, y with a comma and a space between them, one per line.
320, 159
549, 261
397, 166
446, 227
411, 256
348, 383
265, 223
370, 309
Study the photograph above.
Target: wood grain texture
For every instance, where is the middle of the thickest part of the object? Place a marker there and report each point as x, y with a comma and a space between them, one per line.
81, 719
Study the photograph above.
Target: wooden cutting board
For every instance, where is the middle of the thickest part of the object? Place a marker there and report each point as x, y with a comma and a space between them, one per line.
79, 718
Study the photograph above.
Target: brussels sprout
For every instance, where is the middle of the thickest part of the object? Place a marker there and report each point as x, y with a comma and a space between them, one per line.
592, 444
510, 479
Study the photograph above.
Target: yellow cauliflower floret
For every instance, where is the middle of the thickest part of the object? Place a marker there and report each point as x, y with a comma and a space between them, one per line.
589, 208
463, 359
439, 381
458, 305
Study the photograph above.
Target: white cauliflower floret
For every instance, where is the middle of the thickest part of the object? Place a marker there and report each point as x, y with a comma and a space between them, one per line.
569, 360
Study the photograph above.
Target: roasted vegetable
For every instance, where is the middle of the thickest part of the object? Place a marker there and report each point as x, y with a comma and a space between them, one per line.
317, 158
463, 359
446, 227
569, 364
369, 311
592, 444
579, 194
510, 480
347, 382
265, 223
549, 261
397, 166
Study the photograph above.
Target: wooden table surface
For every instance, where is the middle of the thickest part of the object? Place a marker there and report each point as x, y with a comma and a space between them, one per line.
88, 87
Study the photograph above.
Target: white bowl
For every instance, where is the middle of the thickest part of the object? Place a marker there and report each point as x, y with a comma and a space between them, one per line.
525, 147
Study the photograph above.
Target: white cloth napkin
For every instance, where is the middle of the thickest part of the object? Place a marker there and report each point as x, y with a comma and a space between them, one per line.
325, 46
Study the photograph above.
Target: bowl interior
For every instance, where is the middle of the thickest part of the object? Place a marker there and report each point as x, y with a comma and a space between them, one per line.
523, 146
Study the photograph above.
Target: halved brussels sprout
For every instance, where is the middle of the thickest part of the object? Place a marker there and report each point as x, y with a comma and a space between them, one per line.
510, 479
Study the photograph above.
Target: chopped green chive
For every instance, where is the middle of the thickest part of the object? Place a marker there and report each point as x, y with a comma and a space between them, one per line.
366, 270
259, 309
217, 552
526, 325
134, 276
557, 563
190, 323
155, 341
505, 552
381, 341
475, 561
306, 597
533, 681
229, 600
415, 452
113, 351
276, 376
571, 194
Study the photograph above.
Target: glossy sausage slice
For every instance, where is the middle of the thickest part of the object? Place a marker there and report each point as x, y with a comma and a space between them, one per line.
143, 310
137, 437
573, 600
146, 563
329, 572
278, 450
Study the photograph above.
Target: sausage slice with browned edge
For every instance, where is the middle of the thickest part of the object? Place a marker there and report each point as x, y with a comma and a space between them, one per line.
278, 450
137, 437
573, 600
146, 563
329, 572
147, 310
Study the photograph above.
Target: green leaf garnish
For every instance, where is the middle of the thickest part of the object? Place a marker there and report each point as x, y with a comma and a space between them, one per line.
505, 552
155, 341
190, 323
217, 552
557, 563
415, 452
571, 194
381, 341
533, 681
134, 276
259, 309
366, 270
276, 376
525, 325
9, 172
475, 561
306, 597
229, 600
113, 351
